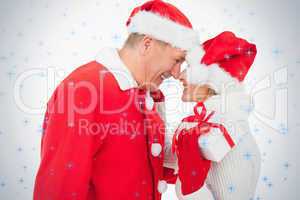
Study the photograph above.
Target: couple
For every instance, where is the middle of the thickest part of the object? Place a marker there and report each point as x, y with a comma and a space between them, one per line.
122, 85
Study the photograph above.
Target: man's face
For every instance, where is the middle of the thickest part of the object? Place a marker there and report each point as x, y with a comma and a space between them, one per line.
162, 61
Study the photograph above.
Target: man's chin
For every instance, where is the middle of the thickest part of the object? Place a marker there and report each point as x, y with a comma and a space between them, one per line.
154, 88
154, 85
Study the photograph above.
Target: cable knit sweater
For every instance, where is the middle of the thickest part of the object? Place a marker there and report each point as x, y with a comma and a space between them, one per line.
235, 177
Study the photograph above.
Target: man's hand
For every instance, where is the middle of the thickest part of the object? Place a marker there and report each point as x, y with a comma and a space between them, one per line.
195, 92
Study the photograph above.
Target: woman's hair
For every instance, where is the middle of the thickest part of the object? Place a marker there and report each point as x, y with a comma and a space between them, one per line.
212, 92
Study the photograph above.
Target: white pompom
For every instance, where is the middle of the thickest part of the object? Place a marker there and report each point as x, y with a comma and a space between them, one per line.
156, 148
162, 186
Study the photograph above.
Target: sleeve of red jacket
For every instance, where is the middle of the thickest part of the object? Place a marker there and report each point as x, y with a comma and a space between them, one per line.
67, 148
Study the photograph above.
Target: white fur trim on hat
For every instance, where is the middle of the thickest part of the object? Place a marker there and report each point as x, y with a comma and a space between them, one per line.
162, 186
163, 29
156, 149
213, 75
196, 72
195, 54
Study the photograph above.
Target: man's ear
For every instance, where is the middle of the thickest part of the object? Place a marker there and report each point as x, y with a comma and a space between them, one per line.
146, 43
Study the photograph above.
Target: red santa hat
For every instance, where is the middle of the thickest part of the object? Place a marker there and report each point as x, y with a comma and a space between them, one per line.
164, 22
224, 53
226, 58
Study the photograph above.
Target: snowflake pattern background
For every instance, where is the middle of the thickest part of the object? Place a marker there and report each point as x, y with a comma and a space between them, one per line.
48, 39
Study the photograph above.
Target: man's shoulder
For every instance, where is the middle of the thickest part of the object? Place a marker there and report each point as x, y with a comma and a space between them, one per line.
84, 80
90, 73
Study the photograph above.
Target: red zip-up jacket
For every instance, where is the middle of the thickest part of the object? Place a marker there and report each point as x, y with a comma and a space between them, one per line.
96, 143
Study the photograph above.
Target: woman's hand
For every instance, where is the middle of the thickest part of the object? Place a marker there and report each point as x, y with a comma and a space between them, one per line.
195, 92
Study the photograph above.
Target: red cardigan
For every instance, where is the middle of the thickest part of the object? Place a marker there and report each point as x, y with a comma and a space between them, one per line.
103, 154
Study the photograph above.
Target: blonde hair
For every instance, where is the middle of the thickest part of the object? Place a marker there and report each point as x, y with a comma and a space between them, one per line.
134, 38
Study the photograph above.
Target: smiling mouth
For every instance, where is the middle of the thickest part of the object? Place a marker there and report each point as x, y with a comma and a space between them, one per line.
162, 77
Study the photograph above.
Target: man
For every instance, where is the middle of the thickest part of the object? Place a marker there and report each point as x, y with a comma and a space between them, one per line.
103, 138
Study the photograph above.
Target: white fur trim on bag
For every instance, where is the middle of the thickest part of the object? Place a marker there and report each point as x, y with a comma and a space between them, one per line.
203, 193
213, 145
163, 29
156, 149
162, 186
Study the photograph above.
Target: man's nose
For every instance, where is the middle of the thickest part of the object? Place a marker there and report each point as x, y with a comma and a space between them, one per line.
175, 72
182, 77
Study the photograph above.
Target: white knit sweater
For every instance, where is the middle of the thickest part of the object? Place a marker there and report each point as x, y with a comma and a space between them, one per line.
235, 177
